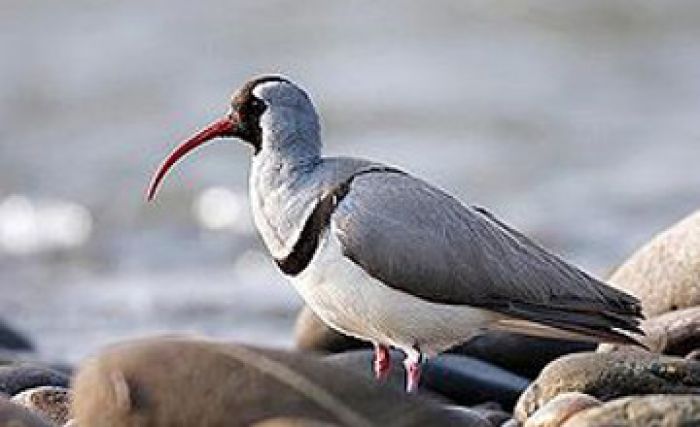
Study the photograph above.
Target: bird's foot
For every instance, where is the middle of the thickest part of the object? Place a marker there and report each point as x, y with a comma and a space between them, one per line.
412, 363
382, 362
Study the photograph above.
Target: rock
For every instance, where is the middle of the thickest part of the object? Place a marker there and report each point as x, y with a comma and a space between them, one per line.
70, 423
293, 422
10, 339
511, 423
522, 354
560, 408
492, 412
50, 402
675, 333
641, 411
311, 334
21, 376
693, 355
665, 273
469, 417
189, 381
610, 375
14, 415
461, 379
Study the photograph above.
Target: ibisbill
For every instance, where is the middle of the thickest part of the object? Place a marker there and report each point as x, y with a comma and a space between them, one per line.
385, 257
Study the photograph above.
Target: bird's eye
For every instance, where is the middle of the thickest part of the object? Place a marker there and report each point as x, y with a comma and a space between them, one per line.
257, 105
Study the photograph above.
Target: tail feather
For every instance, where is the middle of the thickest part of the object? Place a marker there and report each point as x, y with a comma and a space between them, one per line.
596, 325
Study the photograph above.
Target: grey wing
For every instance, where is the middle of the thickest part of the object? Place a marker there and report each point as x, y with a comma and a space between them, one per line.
417, 239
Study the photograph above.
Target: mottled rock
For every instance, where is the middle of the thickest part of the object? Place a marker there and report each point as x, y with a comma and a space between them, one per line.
50, 402
560, 408
665, 273
674, 333
461, 379
641, 411
524, 355
187, 381
610, 375
10, 339
14, 415
71, 423
17, 377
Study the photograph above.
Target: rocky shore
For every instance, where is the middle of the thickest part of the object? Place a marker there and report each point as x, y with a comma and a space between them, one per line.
495, 380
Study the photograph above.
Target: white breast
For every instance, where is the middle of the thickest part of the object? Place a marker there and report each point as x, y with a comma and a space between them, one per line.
278, 212
347, 298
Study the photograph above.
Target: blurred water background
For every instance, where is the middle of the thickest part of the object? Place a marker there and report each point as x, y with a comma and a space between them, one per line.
576, 122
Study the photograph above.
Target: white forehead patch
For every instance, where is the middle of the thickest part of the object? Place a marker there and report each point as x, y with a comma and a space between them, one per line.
269, 90
283, 94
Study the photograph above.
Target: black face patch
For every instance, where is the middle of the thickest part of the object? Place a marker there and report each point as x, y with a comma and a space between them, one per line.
249, 108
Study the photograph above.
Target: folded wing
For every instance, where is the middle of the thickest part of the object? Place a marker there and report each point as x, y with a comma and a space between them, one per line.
417, 239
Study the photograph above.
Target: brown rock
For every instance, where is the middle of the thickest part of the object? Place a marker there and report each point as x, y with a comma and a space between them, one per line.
560, 408
14, 415
675, 333
641, 411
311, 334
610, 375
176, 381
665, 273
50, 402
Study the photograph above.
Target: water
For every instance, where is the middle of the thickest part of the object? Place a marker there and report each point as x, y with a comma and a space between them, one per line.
576, 123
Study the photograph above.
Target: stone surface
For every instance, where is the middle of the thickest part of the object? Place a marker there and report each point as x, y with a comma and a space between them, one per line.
10, 339
311, 334
560, 408
21, 376
14, 415
610, 375
469, 417
188, 381
461, 379
50, 402
674, 333
521, 354
492, 412
642, 411
665, 273
293, 422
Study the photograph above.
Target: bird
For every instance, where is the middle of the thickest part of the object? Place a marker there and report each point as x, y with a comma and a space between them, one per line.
383, 256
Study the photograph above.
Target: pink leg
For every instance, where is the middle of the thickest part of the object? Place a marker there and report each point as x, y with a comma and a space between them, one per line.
412, 364
382, 362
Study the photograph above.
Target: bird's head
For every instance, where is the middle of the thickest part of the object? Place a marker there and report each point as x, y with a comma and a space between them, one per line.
270, 113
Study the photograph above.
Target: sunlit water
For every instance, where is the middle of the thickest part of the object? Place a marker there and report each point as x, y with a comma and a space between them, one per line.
576, 123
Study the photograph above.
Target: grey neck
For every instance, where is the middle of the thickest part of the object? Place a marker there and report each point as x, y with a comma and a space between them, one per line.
289, 137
